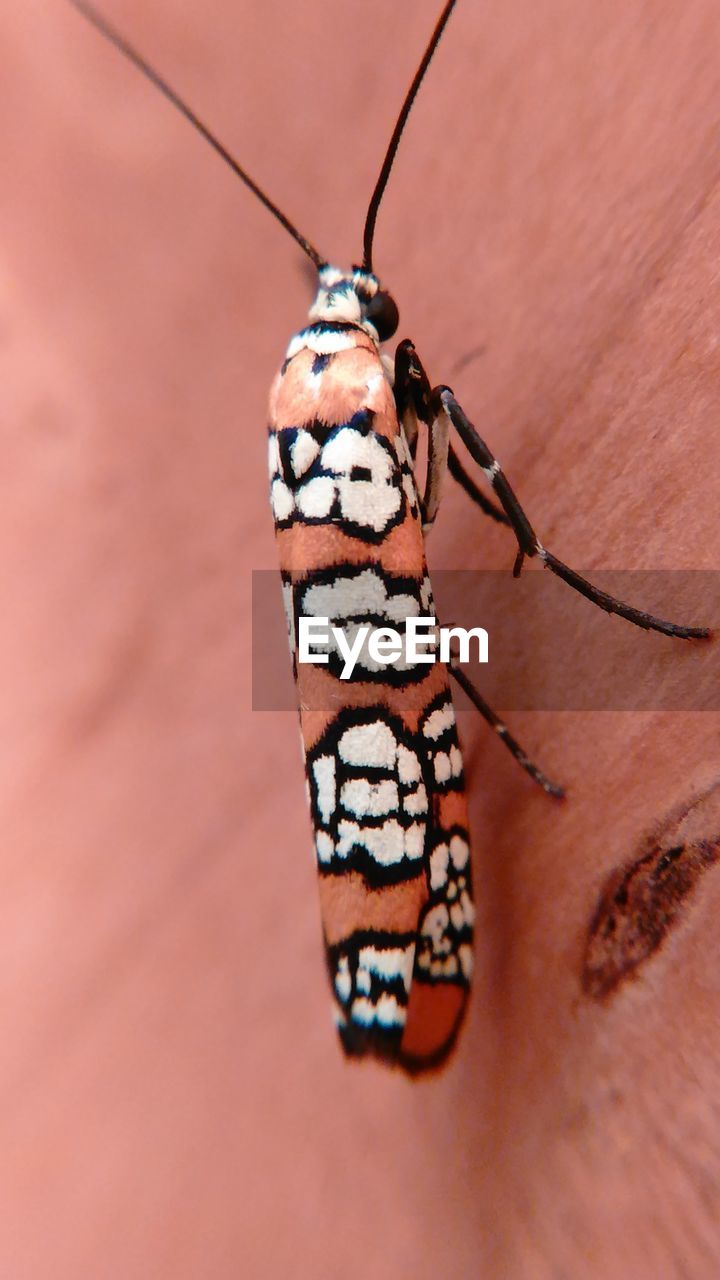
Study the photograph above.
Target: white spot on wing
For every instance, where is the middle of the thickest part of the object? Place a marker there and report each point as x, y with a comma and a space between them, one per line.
357, 595
441, 765
465, 957
273, 454
365, 798
387, 1012
459, 851
343, 981
415, 840
324, 773
281, 500
468, 908
416, 802
439, 721
389, 962
371, 744
435, 927
363, 981
439, 866
315, 499
408, 766
304, 451
324, 847
387, 844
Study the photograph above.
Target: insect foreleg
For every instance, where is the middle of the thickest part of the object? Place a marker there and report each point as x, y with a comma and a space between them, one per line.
413, 396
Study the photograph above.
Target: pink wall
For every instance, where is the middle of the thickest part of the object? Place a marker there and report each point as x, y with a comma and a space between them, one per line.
172, 1100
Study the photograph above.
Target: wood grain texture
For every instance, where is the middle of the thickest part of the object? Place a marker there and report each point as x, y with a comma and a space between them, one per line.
172, 1100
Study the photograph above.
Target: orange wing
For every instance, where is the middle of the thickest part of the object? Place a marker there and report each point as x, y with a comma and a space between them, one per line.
383, 763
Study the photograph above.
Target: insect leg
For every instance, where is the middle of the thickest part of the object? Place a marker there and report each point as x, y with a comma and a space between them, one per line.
504, 734
413, 398
528, 542
466, 482
417, 403
438, 444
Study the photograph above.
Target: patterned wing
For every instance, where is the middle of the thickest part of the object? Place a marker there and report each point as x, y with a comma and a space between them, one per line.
383, 763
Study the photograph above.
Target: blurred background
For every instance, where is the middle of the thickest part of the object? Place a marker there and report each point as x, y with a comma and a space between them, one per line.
172, 1099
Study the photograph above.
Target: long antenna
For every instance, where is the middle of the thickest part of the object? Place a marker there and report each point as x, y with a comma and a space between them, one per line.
387, 165
120, 43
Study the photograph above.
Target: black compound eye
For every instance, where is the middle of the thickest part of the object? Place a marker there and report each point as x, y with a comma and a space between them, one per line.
382, 312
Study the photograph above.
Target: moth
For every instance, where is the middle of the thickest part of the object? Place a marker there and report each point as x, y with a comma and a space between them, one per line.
383, 763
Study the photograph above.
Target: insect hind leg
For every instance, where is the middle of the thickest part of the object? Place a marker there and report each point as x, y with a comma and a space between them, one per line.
501, 729
466, 482
528, 542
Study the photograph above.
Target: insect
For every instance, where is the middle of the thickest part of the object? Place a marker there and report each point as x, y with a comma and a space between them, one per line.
383, 763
